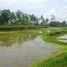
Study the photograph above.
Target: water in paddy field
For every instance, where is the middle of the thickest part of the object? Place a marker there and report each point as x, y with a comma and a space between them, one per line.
63, 38
21, 52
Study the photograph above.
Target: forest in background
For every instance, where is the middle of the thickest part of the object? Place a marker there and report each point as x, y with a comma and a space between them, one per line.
8, 17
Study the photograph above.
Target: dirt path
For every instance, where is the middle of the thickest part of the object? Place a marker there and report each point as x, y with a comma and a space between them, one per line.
23, 55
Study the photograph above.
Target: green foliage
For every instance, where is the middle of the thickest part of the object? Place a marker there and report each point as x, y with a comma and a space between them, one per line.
5, 16
8, 17
18, 27
52, 35
18, 17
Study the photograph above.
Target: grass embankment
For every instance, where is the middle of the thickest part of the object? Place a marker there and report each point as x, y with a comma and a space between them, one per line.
18, 27
58, 58
51, 35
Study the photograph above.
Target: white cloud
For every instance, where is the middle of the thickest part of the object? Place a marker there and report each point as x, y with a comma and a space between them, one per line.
38, 7
60, 14
51, 12
8, 2
11, 2
65, 0
24, 5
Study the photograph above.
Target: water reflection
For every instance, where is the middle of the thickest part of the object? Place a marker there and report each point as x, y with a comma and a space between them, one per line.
9, 40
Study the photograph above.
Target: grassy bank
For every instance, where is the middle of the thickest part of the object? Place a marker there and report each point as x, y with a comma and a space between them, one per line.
18, 27
52, 36
58, 58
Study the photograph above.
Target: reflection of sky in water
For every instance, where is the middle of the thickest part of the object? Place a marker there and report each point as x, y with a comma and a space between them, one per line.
15, 40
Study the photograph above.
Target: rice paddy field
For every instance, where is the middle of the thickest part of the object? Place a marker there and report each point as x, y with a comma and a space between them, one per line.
43, 47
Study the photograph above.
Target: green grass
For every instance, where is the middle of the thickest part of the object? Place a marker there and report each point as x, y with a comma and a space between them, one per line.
57, 61
51, 35
58, 58
18, 27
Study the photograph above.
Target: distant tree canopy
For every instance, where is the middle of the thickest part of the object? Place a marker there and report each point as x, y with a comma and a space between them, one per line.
18, 17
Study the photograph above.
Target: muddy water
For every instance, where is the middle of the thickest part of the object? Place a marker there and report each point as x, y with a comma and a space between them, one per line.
23, 55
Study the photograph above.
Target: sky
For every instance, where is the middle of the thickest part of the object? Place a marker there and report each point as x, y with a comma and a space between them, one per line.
38, 7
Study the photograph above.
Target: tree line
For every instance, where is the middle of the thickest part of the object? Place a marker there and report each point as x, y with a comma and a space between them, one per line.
20, 18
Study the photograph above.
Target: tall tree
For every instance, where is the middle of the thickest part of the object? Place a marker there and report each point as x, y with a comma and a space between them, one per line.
5, 16
64, 24
46, 22
13, 18
43, 21
34, 19
19, 14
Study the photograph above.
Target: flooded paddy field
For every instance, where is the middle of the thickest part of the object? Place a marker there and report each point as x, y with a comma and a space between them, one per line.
20, 49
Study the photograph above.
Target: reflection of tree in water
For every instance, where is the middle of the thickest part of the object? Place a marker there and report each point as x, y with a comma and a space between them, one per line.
11, 39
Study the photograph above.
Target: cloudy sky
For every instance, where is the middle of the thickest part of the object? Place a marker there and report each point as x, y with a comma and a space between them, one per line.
38, 7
